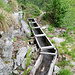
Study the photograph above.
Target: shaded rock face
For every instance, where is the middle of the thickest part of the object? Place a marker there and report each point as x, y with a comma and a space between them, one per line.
4, 68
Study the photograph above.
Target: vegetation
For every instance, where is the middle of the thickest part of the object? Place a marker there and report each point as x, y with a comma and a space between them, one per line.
63, 63
6, 17
11, 6
31, 10
65, 72
28, 61
53, 41
14, 39
50, 28
7, 20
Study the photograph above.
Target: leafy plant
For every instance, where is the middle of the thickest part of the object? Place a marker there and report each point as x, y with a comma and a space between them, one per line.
55, 12
28, 61
63, 43
14, 39
53, 41
64, 71
63, 63
50, 28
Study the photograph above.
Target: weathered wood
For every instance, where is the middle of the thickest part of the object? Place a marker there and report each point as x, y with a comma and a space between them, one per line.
37, 64
31, 19
47, 47
52, 65
47, 53
40, 35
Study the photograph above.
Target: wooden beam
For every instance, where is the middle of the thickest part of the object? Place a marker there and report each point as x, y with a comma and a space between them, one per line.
47, 53
47, 47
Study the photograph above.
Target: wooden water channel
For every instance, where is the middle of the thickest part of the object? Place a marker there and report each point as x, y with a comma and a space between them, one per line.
48, 53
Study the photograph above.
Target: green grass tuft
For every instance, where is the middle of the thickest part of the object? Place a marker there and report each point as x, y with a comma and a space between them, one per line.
65, 72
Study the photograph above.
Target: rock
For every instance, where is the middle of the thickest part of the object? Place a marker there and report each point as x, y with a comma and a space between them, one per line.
1, 43
60, 58
20, 15
63, 57
45, 27
33, 49
7, 49
16, 32
59, 31
21, 72
56, 69
16, 72
1, 32
6, 1
25, 28
31, 41
4, 68
73, 70
24, 63
16, 14
63, 30
73, 63
59, 40
20, 56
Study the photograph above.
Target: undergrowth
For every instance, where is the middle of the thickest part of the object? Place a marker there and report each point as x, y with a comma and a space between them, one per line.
64, 71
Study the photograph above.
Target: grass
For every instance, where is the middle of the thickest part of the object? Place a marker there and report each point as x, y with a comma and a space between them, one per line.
53, 41
63, 43
10, 6
50, 28
48, 35
7, 20
44, 23
64, 71
63, 63
28, 61
31, 11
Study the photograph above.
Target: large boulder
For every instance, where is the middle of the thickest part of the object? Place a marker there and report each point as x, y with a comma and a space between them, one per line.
25, 28
20, 57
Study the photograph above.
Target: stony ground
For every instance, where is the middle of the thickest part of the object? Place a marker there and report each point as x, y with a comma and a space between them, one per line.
66, 50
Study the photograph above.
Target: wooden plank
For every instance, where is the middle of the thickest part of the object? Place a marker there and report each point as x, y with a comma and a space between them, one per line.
47, 53
40, 35
52, 65
47, 47
37, 64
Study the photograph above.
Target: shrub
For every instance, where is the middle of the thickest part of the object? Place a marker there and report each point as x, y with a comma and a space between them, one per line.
55, 12
7, 20
31, 11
